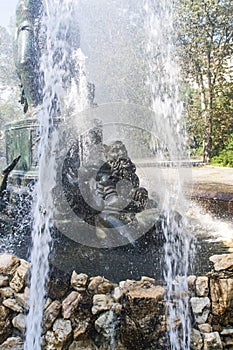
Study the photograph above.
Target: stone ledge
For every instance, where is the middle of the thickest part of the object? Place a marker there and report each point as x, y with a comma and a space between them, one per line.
93, 311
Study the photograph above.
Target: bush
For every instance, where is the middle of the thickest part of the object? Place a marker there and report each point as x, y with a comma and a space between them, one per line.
225, 156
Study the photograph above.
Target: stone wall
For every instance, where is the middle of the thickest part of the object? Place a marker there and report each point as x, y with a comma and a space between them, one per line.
95, 314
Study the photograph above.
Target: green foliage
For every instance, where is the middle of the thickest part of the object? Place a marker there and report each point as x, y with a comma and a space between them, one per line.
225, 156
206, 48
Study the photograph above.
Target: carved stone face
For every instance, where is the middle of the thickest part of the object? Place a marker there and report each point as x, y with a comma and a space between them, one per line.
115, 151
79, 281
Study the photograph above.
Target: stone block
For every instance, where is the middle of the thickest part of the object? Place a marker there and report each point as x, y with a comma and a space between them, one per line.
201, 308
212, 341
202, 286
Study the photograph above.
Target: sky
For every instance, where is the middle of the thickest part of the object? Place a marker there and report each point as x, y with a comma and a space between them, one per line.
7, 10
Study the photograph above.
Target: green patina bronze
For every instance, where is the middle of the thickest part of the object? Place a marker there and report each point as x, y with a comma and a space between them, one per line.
21, 138
28, 51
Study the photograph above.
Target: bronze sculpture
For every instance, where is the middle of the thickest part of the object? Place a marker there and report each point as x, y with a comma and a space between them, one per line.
28, 51
30, 44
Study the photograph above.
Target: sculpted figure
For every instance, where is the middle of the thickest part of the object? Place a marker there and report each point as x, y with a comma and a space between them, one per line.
111, 194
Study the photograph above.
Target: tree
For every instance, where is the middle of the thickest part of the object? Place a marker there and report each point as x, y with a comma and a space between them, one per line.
206, 42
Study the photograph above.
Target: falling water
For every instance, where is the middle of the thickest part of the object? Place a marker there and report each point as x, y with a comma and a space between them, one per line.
163, 81
55, 65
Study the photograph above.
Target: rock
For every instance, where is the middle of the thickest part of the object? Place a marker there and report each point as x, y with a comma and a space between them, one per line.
70, 304
8, 264
130, 334
7, 292
202, 286
222, 262
13, 305
50, 314
99, 285
106, 324
221, 291
196, 341
117, 294
51, 342
5, 330
23, 298
58, 284
4, 281
62, 330
14, 343
83, 345
20, 276
205, 328
212, 341
147, 281
81, 329
47, 303
201, 308
79, 281
101, 302
19, 322
143, 300
191, 282
4, 312
227, 331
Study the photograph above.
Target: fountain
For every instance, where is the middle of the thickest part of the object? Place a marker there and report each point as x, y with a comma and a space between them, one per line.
91, 211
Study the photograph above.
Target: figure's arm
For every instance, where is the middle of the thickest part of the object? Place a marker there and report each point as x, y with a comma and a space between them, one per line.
6, 173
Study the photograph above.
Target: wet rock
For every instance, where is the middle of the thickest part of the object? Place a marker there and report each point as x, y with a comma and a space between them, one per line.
14, 343
222, 262
205, 328
70, 304
20, 276
227, 331
79, 282
58, 284
212, 341
5, 330
23, 298
196, 341
191, 282
106, 324
99, 285
202, 286
143, 299
60, 337
4, 312
221, 291
83, 345
130, 334
50, 314
62, 329
8, 264
7, 292
4, 281
13, 305
201, 308
117, 294
47, 303
19, 322
227, 335
101, 302
81, 328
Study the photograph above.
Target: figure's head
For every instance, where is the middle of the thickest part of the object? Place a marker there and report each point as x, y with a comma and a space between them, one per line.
115, 150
